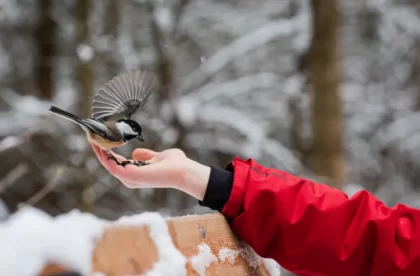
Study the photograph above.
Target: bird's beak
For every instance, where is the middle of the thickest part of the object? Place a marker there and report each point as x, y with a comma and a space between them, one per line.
141, 139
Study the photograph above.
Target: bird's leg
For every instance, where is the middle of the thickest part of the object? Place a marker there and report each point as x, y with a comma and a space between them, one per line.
134, 162
112, 157
126, 162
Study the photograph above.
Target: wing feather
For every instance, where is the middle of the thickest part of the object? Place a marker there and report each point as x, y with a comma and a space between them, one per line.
124, 94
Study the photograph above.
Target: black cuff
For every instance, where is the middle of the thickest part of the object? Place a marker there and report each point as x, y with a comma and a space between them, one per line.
218, 189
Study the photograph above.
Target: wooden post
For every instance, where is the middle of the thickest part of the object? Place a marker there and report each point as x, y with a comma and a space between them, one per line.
130, 250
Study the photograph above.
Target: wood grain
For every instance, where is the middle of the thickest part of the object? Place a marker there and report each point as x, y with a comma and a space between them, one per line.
131, 251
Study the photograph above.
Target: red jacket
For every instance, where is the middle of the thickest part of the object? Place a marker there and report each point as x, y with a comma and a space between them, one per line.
313, 229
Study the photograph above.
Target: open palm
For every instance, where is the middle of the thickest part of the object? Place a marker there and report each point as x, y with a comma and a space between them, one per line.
166, 168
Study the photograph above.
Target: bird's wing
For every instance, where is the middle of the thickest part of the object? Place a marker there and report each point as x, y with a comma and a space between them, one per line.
124, 94
96, 126
100, 128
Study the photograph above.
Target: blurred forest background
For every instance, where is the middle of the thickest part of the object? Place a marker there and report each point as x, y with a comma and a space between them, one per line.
328, 90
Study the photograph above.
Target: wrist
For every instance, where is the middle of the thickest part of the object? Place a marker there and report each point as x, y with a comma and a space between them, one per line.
195, 179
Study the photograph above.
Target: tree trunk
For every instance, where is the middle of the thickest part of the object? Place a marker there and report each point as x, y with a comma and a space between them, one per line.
327, 126
85, 71
44, 39
110, 61
86, 81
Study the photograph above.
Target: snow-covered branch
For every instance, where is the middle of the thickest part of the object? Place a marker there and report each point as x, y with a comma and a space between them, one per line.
234, 50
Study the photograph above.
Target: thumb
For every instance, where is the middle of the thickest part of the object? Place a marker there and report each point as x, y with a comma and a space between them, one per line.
143, 154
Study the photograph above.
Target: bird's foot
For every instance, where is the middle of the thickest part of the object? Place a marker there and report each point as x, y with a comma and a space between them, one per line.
138, 163
133, 162
127, 162
112, 157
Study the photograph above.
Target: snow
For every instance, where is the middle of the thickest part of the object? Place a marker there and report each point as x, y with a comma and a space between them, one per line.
171, 260
98, 274
273, 268
187, 112
10, 12
29, 105
69, 239
236, 49
231, 89
203, 259
33, 236
85, 52
278, 151
42, 239
227, 254
164, 19
351, 189
9, 142
240, 121
66, 96
303, 27
253, 260
235, 67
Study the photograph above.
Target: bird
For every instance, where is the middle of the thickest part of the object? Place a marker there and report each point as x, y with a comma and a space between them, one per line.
110, 125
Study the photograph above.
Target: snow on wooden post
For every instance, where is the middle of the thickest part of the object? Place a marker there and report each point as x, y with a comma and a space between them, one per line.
144, 244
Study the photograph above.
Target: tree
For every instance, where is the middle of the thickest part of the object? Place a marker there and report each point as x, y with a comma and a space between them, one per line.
85, 70
327, 127
44, 39
85, 76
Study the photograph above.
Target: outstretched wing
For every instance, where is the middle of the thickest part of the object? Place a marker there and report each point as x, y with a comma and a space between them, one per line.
124, 94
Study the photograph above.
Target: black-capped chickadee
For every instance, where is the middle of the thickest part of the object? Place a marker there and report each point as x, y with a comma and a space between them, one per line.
112, 108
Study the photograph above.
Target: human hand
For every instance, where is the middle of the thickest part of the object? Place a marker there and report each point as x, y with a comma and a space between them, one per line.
167, 169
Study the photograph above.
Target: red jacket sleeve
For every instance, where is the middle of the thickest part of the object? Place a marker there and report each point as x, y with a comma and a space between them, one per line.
313, 229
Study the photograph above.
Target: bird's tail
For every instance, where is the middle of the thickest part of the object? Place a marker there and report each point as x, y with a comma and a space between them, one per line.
66, 115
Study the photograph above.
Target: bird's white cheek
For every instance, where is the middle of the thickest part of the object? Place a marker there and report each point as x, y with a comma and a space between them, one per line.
126, 129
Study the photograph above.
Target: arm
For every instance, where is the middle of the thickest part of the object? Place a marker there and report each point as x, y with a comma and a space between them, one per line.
313, 229
308, 228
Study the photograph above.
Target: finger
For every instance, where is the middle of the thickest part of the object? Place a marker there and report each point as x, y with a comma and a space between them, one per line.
95, 148
103, 156
143, 154
129, 184
120, 158
113, 167
99, 153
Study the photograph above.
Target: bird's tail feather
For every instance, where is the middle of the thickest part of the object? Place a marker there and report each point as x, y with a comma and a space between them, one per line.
66, 115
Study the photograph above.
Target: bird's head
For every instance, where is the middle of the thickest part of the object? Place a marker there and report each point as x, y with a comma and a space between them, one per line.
130, 129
